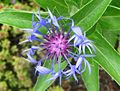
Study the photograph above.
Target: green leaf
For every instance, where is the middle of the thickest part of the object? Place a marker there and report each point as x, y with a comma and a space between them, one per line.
59, 5
90, 14
116, 3
75, 5
110, 20
84, 2
106, 56
111, 36
92, 78
42, 84
109, 24
18, 19
112, 11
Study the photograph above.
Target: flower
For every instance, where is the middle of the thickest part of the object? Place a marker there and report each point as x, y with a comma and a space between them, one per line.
81, 41
57, 46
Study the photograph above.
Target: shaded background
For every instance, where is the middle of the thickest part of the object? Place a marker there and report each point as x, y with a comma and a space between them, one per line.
17, 74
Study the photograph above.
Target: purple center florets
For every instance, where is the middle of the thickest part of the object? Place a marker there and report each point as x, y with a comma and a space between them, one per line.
56, 44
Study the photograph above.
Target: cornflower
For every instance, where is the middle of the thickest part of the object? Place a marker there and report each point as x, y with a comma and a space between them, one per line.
57, 45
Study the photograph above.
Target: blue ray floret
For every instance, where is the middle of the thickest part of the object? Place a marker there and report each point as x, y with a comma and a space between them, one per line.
57, 46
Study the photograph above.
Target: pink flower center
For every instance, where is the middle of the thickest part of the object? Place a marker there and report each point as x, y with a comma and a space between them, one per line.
56, 44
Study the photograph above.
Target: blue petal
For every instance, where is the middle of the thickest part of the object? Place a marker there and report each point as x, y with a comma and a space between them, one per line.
83, 49
59, 18
71, 38
78, 41
80, 50
88, 65
54, 19
77, 30
58, 74
72, 22
32, 49
75, 40
24, 41
42, 70
32, 60
93, 48
79, 62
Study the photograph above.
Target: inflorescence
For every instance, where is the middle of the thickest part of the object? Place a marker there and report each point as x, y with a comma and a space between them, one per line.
58, 44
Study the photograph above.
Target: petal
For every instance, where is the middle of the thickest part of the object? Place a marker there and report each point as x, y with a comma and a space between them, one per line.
84, 67
51, 15
53, 18
72, 22
80, 48
79, 62
77, 30
75, 77
67, 71
38, 15
71, 38
92, 47
75, 40
24, 41
83, 49
25, 50
42, 70
89, 55
59, 18
78, 72
58, 74
32, 60
89, 68
79, 41
55, 22
29, 30
89, 49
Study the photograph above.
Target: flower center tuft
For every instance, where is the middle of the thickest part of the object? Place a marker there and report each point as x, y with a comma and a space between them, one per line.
56, 44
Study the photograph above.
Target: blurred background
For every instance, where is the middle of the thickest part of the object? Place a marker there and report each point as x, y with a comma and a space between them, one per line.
17, 74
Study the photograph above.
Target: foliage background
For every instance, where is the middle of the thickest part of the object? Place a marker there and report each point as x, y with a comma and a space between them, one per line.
15, 73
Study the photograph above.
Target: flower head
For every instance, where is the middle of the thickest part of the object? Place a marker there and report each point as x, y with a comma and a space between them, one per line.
57, 45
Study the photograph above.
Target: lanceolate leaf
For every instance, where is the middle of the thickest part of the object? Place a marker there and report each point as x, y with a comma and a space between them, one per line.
109, 24
92, 78
59, 5
75, 5
110, 20
18, 19
90, 14
106, 56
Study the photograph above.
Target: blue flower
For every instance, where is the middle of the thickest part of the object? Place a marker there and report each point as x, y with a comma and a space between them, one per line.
81, 41
58, 46
72, 72
56, 75
82, 59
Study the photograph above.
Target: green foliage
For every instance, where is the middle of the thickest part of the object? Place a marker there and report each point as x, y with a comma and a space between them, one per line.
3, 86
92, 78
13, 70
103, 57
23, 22
56, 88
